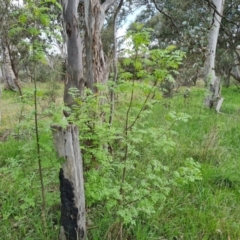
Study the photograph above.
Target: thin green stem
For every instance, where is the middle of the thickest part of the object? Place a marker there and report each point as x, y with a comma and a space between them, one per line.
38, 136
143, 107
38, 151
112, 95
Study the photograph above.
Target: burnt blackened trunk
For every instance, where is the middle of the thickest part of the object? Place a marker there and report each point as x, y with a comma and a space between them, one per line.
69, 212
73, 216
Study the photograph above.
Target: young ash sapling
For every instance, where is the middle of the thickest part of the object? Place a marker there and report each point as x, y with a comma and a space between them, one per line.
124, 174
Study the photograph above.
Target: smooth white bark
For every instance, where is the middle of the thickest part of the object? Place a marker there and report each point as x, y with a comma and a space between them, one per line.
214, 97
213, 37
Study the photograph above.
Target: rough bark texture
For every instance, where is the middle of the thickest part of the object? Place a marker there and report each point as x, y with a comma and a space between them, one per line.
214, 97
74, 75
8, 70
235, 71
96, 67
73, 218
9, 78
92, 13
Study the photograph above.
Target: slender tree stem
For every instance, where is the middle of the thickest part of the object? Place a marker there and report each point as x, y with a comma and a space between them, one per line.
37, 136
112, 95
143, 107
121, 231
126, 147
38, 151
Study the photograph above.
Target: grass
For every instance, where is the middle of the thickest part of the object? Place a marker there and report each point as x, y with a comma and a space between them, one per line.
207, 209
20, 194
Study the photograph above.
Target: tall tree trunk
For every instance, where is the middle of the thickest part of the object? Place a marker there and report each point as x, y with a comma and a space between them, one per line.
235, 71
214, 98
9, 74
9, 77
74, 75
96, 67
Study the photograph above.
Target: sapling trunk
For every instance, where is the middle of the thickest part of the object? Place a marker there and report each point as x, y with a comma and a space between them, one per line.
38, 151
115, 68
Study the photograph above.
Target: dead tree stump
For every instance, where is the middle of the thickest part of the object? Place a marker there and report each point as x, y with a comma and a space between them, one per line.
73, 216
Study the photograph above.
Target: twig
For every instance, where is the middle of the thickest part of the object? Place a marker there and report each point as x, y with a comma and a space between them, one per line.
165, 14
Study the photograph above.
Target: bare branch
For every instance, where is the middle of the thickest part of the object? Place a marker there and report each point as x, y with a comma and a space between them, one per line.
211, 5
107, 4
165, 14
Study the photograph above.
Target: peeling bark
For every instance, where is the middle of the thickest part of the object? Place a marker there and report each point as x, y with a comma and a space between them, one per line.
74, 75
96, 67
9, 77
92, 14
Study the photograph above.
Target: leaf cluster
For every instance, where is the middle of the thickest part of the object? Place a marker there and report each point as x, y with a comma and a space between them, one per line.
124, 173
28, 28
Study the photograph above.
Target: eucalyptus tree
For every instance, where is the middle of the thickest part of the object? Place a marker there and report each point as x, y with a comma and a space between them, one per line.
183, 24
214, 98
83, 22
228, 42
19, 28
8, 69
188, 25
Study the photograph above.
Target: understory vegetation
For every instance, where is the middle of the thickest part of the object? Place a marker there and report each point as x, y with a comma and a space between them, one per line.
181, 182
157, 163
154, 167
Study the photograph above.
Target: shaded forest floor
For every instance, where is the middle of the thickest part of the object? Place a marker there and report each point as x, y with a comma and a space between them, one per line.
207, 209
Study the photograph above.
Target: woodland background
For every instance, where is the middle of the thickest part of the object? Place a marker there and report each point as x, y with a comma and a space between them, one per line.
160, 147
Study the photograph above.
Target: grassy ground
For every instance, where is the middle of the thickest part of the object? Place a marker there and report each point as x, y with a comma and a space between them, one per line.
207, 209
